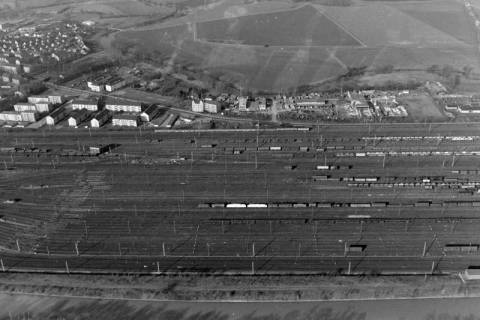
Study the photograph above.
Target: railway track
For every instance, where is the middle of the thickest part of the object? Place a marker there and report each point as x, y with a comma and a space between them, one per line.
136, 211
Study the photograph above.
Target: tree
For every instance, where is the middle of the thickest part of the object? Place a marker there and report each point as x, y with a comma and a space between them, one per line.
467, 71
447, 71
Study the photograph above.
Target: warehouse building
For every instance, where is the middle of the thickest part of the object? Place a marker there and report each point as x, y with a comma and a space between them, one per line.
100, 119
77, 117
114, 84
125, 120
84, 104
56, 116
150, 113
121, 106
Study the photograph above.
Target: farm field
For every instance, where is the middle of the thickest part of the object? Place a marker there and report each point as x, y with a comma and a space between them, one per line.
301, 27
177, 202
272, 51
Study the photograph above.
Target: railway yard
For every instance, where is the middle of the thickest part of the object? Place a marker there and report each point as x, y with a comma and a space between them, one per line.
331, 199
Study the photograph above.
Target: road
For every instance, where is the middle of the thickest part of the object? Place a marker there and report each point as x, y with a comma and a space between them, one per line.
133, 95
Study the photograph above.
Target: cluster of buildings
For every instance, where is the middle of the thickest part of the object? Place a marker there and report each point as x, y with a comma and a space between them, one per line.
207, 105
367, 104
26, 48
53, 110
32, 110
106, 83
459, 103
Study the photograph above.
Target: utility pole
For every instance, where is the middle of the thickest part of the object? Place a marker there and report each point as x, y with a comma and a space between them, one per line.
3, 267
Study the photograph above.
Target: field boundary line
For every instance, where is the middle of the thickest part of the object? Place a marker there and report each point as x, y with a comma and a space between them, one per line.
341, 26
229, 301
177, 24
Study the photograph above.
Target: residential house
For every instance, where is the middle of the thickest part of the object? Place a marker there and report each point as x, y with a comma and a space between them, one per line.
125, 120
119, 106
312, 102
212, 106
96, 85
24, 106
10, 116
84, 104
262, 103
197, 105
242, 103
38, 99
29, 116
55, 99
43, 107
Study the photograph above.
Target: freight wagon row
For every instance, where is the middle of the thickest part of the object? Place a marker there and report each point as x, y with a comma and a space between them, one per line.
23, 150
406, 154
379, 204
416, 138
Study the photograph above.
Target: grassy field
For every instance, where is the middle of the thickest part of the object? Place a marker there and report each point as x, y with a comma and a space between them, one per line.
423, 107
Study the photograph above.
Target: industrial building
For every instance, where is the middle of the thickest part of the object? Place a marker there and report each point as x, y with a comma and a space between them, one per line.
125, 120
84, 104
100, 119
150, 113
